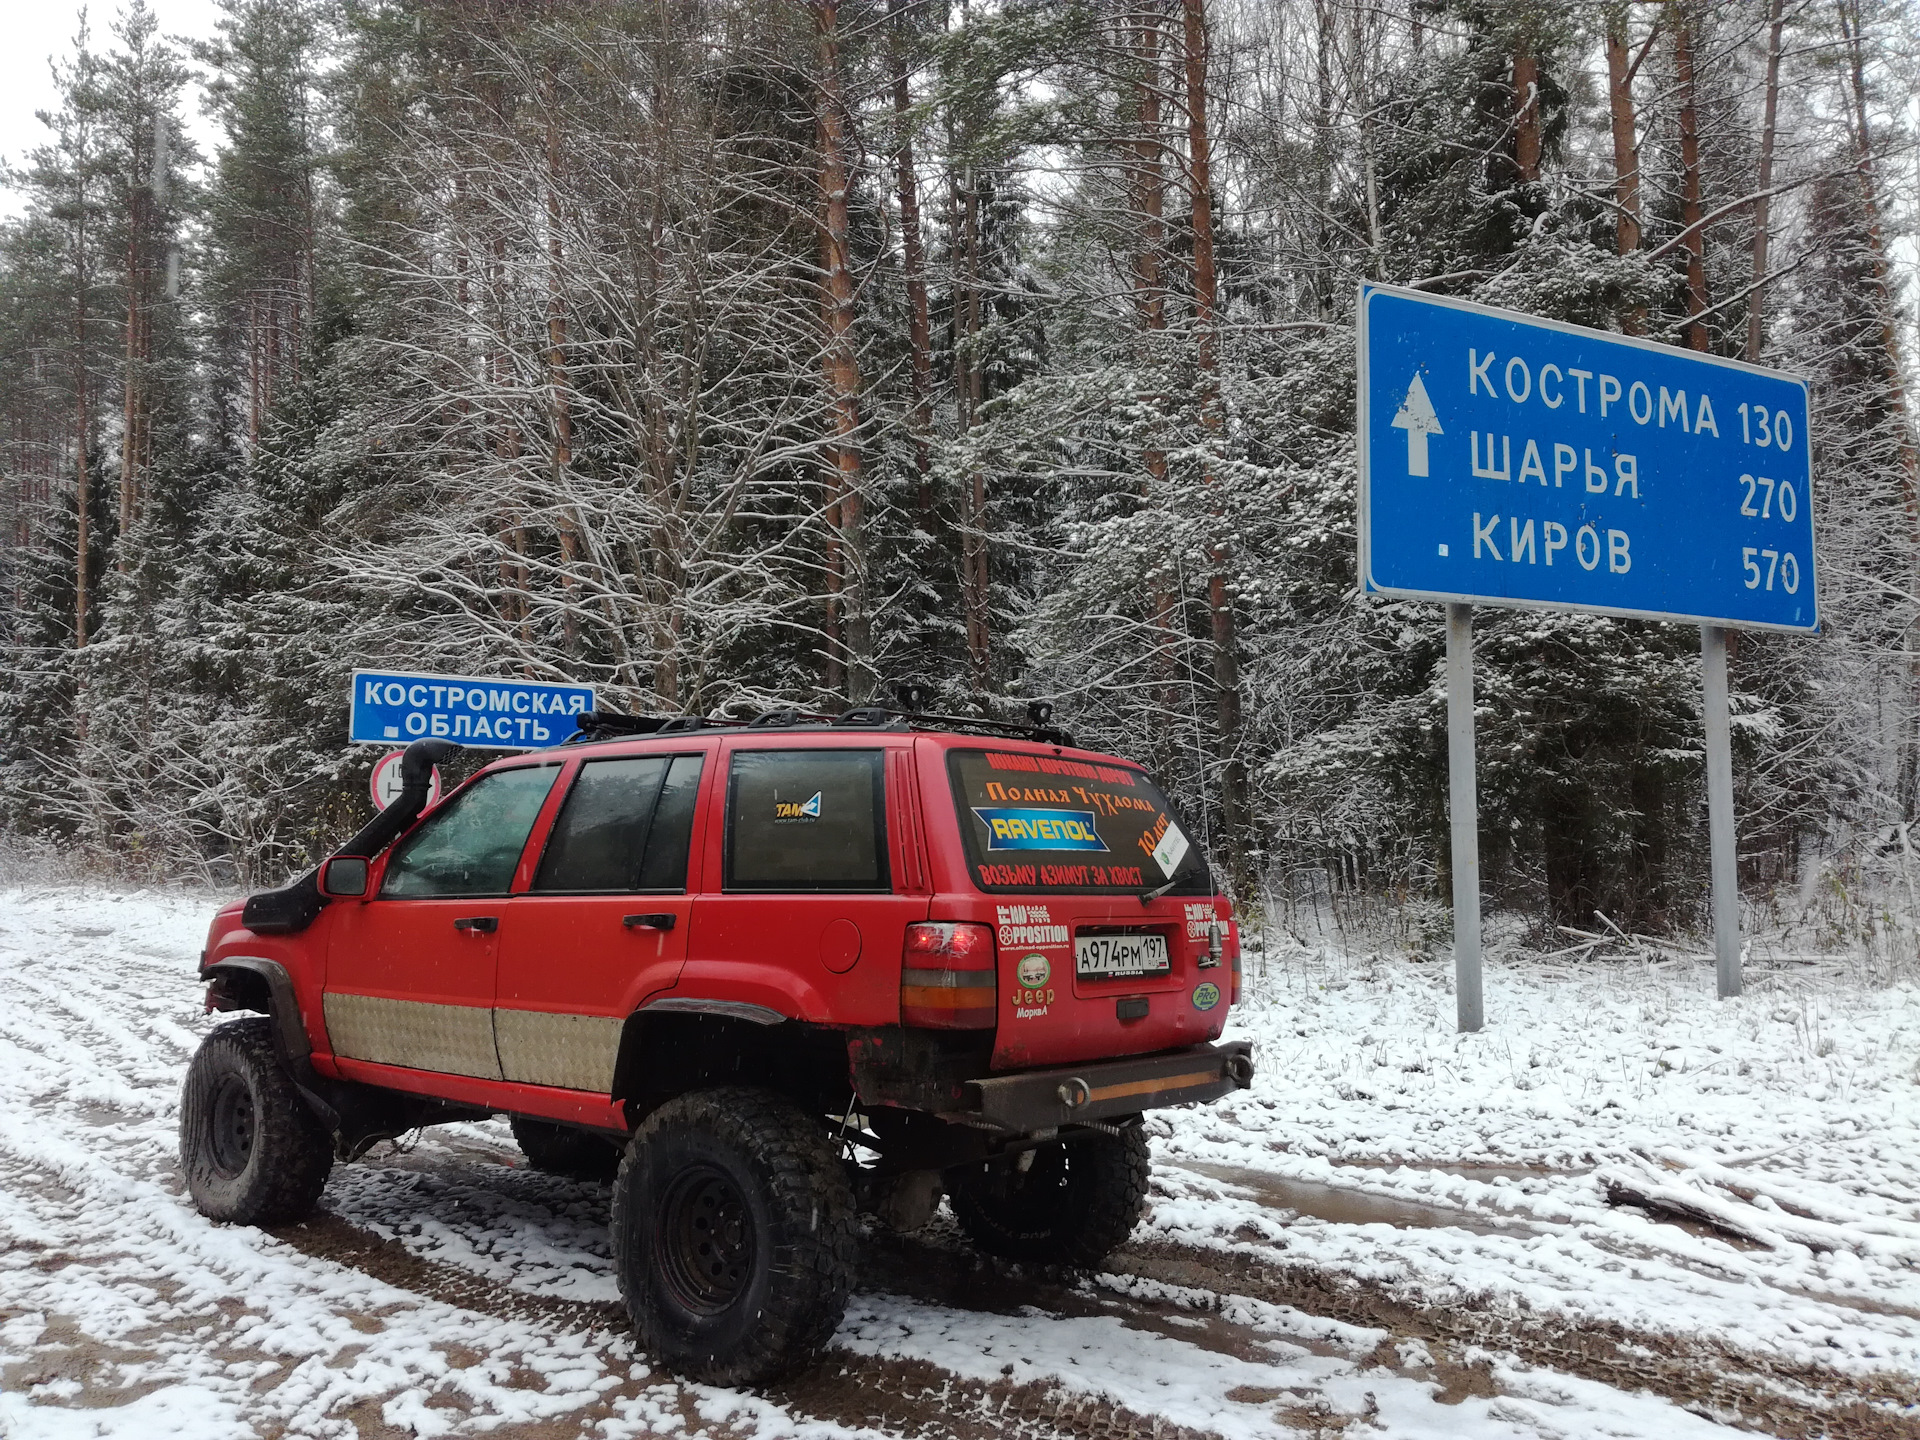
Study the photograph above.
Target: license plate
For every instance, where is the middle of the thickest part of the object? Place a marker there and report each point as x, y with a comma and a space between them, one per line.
1121, 954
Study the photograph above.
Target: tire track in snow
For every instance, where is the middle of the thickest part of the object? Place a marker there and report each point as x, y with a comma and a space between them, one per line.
893, 1394
1753, 1391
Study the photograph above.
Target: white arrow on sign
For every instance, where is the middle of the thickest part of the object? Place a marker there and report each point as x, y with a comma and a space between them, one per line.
1416, 417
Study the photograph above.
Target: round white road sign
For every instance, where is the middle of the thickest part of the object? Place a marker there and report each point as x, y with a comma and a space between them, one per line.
386, 780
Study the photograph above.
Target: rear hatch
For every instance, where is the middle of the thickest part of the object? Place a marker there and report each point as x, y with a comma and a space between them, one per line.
1066, 849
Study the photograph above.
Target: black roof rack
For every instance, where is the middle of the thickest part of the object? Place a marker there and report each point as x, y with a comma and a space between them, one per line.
597, 726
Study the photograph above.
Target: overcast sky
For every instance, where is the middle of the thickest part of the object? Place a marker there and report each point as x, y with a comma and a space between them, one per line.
36, 30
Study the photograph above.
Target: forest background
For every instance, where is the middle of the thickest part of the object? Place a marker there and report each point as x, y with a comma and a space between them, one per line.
731, 354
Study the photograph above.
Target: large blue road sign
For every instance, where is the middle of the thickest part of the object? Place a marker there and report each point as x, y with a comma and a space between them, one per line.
483, 714
1506, 460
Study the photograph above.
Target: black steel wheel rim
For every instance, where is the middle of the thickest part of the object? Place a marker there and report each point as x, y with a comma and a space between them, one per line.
704, 1242
231, 1126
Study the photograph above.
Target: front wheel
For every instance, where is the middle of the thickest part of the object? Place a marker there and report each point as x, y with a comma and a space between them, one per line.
1068, 1202
252, 1151
733, 1236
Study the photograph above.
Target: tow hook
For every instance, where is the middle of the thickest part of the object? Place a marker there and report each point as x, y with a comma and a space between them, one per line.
1074, 1093
1240, 1069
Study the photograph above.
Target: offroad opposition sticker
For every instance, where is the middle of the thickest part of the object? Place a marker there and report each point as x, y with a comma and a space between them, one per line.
1206, 996
1024, 829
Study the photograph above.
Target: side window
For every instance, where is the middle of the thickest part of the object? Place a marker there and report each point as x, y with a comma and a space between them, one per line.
806, 820
472, 847
627, 825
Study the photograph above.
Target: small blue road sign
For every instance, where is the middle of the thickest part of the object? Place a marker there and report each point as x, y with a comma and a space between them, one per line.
1506, 460
482, 714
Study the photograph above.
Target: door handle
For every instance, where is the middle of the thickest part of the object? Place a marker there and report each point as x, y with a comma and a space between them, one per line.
660, 921
483, 924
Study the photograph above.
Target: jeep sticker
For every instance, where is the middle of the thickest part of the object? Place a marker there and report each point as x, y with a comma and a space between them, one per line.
1032, 972
1023, 829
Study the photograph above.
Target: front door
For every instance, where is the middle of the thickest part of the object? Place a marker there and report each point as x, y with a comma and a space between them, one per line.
410, 972
605, 923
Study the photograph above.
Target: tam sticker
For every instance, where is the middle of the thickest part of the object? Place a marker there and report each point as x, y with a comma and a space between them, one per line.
1032, 971
797, 809
1206, 996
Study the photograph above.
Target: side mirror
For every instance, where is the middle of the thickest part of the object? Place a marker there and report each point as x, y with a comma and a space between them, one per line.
343, 877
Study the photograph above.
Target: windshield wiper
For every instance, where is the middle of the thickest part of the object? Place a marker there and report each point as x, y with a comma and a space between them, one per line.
1147, 897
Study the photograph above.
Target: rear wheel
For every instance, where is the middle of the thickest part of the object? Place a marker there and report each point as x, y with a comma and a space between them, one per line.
251, 1150
1073, 1202
563, 1150
733, 1236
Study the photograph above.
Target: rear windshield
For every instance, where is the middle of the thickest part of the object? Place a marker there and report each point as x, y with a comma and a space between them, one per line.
1038, 823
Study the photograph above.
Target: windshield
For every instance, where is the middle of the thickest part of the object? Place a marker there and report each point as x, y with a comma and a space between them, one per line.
1041, 823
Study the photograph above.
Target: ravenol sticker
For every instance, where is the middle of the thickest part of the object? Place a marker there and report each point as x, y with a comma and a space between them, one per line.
1020, 829
797, 809
1033, 970
1206, 996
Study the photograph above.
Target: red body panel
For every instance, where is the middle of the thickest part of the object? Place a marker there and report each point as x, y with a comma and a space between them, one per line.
826, 958
575, 1107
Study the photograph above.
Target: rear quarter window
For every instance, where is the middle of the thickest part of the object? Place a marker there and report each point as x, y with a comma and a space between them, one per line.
800, 820
1042, 823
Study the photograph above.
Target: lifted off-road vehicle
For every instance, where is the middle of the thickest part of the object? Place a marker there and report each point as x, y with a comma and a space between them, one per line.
764, 974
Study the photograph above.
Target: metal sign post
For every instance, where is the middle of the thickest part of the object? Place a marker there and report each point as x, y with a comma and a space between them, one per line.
1509, 460
1726, 876
1463, 798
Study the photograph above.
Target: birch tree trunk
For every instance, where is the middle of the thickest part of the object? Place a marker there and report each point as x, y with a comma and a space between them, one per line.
1763, 207
975, 596
558, 381
1226, 672
1690, 205
1150, 292
1526, 111
913, 264
849, 635
1626, 146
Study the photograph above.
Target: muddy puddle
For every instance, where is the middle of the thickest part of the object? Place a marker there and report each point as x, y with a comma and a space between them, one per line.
1338, 1205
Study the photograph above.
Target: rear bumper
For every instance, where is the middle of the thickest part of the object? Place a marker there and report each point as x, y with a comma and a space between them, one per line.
1067, 1095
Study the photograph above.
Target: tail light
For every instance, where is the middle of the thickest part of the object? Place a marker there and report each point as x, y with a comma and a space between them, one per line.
946, 976
1233, 958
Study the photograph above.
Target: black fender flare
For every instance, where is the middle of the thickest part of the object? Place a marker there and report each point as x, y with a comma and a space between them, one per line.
251, 977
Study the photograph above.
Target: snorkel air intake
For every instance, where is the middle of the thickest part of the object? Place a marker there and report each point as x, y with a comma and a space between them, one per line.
294, 907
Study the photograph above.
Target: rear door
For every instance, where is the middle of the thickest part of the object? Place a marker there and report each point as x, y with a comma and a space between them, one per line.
410, 972
1067, 849
813, 877
604, 924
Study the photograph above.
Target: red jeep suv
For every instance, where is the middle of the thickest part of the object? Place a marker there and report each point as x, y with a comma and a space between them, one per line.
764, 974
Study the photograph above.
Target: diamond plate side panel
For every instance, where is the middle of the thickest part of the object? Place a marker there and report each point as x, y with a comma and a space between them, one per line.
450, 1039
574, 1052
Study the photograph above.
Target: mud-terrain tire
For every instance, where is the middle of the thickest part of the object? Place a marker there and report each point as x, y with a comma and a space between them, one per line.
1073, 1205
733, 1236
251, 1150
563, 1150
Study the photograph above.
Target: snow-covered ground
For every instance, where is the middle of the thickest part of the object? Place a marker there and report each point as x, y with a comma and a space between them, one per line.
1398, 1231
